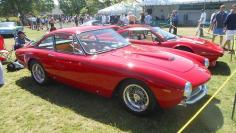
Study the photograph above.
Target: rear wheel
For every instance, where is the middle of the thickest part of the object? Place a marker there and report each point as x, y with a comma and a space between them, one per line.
38, 73
137, 97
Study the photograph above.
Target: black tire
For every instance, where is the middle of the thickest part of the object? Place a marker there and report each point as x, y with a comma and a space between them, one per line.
44, 80
152, 104
185, 49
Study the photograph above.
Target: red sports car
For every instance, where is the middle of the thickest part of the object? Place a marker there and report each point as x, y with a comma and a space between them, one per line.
99, 60
155, 36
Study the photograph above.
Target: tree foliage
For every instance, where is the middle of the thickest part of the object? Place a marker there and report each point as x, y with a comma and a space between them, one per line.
71, 7
13, 7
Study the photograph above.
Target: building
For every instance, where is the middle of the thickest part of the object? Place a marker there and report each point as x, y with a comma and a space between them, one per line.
189, 11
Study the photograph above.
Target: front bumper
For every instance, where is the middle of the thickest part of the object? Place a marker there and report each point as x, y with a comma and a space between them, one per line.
196, 95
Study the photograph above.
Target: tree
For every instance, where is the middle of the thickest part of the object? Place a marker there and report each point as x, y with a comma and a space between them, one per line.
71, 7
22, 7
93, 6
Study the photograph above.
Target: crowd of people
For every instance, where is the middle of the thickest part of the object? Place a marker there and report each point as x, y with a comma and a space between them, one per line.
221, 24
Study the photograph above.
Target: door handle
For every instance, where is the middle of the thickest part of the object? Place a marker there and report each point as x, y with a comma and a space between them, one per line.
50, 55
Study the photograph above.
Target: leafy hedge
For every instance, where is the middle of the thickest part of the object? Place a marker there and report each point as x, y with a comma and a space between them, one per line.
11, 19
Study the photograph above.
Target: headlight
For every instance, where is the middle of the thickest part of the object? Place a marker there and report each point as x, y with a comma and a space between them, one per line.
187, 89
206, 63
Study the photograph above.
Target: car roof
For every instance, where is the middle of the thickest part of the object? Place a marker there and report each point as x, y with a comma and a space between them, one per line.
77, 30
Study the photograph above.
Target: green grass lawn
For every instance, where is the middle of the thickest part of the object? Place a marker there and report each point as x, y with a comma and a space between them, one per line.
28, 107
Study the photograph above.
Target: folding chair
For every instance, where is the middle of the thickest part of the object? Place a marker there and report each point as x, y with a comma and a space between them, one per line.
5, 55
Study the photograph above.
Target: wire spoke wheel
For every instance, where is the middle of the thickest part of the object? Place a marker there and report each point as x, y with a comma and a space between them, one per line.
38, 73
136, 98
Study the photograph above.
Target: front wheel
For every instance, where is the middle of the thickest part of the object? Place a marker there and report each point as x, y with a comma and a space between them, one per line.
38, 73
137, 97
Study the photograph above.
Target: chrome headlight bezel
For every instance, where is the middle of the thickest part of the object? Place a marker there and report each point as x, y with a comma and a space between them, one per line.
187, 89
206, 63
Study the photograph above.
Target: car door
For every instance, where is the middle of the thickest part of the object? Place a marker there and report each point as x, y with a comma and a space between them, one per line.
70, 61
43, 53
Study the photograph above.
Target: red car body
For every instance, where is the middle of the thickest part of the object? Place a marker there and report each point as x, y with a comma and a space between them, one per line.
195, 45
164, 71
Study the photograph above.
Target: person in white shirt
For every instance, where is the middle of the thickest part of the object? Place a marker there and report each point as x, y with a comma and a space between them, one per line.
201, 23
148, 19
212, 21
126, 20
104, 18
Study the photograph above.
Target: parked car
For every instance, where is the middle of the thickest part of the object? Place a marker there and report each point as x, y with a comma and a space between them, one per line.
155, 36
9, 28
92, 22
99, 23
99, 60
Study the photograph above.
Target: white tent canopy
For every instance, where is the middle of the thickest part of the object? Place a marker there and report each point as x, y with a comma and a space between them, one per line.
171, 2
121, 8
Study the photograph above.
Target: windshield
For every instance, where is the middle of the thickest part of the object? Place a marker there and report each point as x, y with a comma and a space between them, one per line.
165, 34
102, 40
7, 24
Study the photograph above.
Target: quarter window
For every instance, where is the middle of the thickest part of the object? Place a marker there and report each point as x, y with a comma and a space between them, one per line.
67, 44
47, 43
64, 43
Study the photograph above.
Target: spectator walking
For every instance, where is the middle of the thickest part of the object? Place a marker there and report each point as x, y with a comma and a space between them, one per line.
52, 22
46, 22
132, 18
148, 19
142, 18
173, 22
60, 21
212, 21
218, 21
76, 20
104, 19
230, 26
38, 21
201, 23
81, 19
126, 20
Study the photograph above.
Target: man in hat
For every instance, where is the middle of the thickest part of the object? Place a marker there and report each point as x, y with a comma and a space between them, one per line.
21, 39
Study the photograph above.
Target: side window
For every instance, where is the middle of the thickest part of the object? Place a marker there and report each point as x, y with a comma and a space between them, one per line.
77, 47
46, 43
143, 35
64, 43
125, 34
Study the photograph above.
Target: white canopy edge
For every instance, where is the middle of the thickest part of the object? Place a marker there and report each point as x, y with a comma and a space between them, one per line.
177, 2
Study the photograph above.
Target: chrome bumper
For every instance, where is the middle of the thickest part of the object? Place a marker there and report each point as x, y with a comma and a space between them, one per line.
196, 95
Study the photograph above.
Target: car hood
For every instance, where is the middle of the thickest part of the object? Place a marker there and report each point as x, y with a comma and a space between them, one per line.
192, 40
157, 58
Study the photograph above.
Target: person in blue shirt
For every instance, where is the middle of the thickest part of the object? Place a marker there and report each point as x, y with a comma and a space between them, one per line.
20, 40
218, 21
173, 22
230, 26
